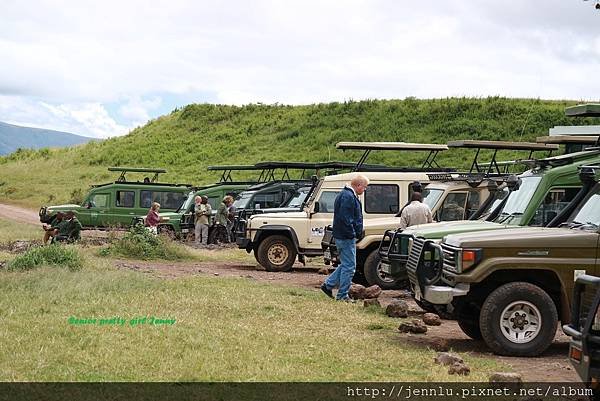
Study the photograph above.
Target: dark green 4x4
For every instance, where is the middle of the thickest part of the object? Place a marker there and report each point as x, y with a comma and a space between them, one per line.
122, 203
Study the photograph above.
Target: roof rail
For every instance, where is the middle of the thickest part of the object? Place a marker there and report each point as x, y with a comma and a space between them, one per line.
429, 162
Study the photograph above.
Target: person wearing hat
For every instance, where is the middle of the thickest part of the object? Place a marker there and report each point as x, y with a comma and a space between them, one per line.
416, 212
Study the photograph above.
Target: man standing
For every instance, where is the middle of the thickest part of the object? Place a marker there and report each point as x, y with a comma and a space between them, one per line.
202, 213
347, 227
416, 212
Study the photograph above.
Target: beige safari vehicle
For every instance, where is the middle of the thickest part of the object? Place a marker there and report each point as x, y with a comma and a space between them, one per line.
450, 196
278, 238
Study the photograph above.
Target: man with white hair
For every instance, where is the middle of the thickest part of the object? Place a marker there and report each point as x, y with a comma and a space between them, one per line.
347, 227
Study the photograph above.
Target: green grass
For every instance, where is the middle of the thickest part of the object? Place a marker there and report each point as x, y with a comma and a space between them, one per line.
57, 255
225, 330
253, 133
12, 231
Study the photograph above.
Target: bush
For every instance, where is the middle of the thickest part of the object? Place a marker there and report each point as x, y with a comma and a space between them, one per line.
140, 243
52, 255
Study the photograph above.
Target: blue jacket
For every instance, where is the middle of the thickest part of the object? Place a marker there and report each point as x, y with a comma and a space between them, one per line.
347, 215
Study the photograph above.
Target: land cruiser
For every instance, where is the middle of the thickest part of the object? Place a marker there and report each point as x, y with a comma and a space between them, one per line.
450, 196
544, 192
510, 287
277, 238
120, 203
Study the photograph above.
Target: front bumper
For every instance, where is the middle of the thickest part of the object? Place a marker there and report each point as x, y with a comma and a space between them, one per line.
243, 242
441, 294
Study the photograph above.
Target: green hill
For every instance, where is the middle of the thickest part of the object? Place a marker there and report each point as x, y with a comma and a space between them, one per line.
189, 139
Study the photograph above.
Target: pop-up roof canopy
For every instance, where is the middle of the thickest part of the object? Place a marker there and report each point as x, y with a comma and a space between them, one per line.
494, 166
429, 162
566, 139
583, 110
124, 170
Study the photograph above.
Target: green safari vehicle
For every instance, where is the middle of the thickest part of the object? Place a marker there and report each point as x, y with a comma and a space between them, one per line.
121, 203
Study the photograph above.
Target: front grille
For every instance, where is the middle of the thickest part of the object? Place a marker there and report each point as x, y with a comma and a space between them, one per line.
413, 259
450, 253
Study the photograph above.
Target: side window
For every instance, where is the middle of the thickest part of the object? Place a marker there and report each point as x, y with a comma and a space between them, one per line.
555, 201
382, 199
327, 201
453, 207
145, 199
214, 202
473, 203
125, 199
100, 200
266, 200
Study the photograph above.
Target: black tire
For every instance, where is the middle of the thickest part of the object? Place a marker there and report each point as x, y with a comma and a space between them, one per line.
374, 276
470, 327
426, 306
276, 253
512, 313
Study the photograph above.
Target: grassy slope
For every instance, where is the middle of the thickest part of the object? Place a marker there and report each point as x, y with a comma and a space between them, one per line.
188, 140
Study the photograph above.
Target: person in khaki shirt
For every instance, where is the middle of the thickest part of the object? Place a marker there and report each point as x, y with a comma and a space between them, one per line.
416, 212
202, 212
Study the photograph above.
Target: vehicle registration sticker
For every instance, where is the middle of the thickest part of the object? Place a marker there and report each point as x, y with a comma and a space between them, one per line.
185, 230
327, 254
385, 268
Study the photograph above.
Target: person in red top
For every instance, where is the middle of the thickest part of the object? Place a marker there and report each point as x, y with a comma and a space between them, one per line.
153, 218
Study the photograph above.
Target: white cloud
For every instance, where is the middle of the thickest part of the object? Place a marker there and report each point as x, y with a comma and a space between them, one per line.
78, 57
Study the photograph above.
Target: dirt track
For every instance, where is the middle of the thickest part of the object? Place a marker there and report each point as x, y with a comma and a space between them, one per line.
553, 366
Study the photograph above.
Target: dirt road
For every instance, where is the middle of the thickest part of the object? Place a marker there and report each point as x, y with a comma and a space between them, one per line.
19, 214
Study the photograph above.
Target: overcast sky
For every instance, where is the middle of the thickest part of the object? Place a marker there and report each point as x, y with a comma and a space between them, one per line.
101, 68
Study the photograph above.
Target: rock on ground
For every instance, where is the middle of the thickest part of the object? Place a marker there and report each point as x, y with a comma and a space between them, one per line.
416, 327
504, 377
397, 309
447, 359
357, 291
459, 368
373, 291
431, 319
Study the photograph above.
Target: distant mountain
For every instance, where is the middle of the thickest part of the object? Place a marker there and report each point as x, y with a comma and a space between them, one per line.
13, 137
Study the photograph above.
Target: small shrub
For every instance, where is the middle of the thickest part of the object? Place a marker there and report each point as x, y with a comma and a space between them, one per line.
52, 255
140, 243
77, 196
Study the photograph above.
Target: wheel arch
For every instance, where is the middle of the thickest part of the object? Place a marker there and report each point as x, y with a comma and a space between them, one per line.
267, 231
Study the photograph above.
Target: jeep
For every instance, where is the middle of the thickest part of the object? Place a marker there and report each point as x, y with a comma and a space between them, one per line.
121, 203
277, 238
511, 287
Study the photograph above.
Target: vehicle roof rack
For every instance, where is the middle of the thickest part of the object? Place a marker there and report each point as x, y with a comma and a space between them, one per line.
561, 160
429, 162
583, 110
493, 166
125, 170
562, 139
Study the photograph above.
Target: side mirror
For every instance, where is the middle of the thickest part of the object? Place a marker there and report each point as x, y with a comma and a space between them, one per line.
317, 207
89, 205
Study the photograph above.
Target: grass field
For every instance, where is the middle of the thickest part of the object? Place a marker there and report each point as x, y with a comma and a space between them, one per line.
224, 329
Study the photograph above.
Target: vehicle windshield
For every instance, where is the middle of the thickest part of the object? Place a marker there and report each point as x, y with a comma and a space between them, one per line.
188, 202
518, 201
431, 196
499, 196
297, 200
242, 200
589, 215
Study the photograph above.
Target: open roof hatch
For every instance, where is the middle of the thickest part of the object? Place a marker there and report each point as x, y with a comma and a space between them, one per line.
495, 167
124, 170
428, 163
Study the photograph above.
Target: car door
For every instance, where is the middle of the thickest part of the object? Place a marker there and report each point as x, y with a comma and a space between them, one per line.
97, 208
320, 217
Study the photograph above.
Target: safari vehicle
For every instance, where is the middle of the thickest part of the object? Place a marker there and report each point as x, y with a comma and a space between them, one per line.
510, 287
450, 196
120, 203
584, 330
544, 192
277, 238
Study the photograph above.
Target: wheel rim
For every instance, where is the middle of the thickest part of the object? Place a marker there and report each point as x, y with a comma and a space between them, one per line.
278, 254
520, 322
382, 275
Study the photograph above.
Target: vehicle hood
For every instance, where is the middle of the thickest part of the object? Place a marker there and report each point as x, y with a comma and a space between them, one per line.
440, 230
380, 225
525, 237
64, 207
276, 216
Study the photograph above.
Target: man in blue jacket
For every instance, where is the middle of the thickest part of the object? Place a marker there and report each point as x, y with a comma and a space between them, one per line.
347, 227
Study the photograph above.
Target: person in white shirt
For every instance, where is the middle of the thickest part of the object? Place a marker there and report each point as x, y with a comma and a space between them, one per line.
416, 212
